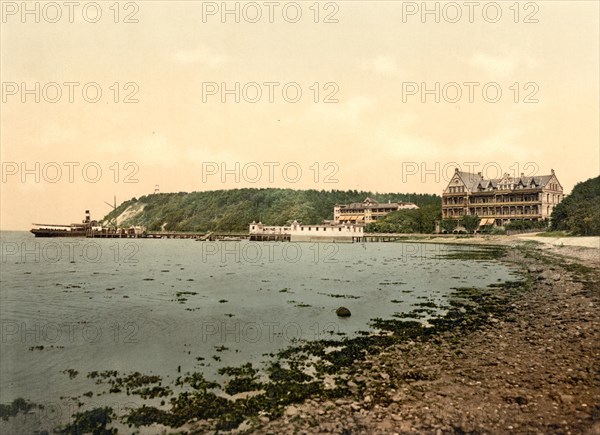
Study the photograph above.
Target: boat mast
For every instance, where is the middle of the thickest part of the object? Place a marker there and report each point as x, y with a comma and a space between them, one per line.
114, 207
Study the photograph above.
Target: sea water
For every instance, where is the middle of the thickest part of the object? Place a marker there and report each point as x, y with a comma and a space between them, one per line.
71, 306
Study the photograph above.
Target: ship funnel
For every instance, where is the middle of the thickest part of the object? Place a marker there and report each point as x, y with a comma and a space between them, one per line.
87, 217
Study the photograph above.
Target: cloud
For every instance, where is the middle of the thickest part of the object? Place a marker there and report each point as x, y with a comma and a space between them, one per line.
348, 111
505, 143
500, 66
385, 65
54, 134
200, 56
494, 65
406, 146
148, 149
160, 150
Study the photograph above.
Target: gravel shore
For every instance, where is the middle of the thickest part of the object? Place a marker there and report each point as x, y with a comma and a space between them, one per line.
533, 369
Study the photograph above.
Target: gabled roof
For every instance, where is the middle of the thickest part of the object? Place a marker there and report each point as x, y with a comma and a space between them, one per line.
473, 181
470, 180
542, 180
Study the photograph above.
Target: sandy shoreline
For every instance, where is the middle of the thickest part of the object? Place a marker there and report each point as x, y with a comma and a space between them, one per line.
534, 370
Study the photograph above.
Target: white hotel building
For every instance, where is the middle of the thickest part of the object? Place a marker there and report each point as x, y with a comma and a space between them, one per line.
297, 232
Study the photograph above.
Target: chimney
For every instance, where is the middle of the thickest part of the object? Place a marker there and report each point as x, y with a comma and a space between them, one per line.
522, 174
479, 173
552, 171
456, 170
87, 217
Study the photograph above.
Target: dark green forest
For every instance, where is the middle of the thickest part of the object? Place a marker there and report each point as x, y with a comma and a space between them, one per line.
579, 212
232, 210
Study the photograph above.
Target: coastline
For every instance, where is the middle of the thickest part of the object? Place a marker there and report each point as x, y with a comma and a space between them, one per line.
514, 356
533, 369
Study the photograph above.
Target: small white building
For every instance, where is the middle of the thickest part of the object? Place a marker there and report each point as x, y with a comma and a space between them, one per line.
297, 232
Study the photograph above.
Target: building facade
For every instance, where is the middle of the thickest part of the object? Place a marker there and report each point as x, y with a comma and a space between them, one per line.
498, 201
297, 232
367, 211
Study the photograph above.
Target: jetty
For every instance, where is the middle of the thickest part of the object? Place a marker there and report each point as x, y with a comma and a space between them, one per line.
122, 233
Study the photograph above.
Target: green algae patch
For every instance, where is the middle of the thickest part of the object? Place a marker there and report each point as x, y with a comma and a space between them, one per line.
199, 403
134, 383
336, 295
181, 296
93, 421
243, 379
17, 406
477, 253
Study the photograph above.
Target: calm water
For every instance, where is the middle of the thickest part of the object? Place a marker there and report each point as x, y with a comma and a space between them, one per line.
157, 306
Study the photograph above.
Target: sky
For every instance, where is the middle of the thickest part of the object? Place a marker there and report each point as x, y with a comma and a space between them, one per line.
105, 99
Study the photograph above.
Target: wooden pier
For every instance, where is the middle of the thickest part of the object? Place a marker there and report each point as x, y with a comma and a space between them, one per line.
409, 237
382, 237
270, 237
213, 236
124, 234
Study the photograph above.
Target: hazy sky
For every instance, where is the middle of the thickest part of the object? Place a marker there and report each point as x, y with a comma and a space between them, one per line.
375, 58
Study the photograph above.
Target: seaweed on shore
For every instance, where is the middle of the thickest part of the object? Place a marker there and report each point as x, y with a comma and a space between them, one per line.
197, 382
92, 421
17, 406
134, 383
180, 296
244, 378
71, 372
479, 253
336, 295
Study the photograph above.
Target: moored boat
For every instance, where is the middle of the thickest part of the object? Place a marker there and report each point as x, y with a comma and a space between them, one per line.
61, 230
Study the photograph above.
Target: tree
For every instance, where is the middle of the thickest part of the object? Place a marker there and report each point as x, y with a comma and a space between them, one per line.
470, 222
449, 225
579, 212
